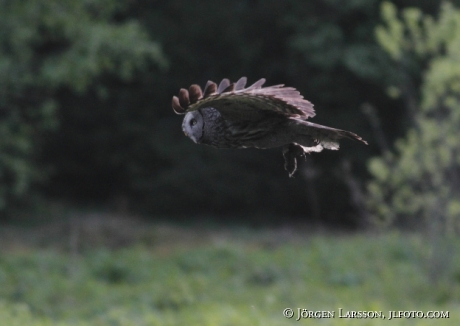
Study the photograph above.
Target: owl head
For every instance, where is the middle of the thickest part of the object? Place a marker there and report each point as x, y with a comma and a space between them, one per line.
192, 126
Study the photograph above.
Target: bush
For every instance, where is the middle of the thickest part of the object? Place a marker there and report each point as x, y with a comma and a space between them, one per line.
419, 183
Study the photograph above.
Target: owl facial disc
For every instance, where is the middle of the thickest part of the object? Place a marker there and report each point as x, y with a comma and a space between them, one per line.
193, 126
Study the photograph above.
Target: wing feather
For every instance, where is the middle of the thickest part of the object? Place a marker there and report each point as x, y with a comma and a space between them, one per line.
210, 88
229, 88
235, 101
258, 84
240, 83
223, 85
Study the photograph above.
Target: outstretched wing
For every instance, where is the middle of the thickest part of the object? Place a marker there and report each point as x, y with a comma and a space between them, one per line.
236, 102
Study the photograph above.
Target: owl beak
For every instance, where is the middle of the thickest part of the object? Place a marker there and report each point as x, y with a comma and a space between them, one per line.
185, 133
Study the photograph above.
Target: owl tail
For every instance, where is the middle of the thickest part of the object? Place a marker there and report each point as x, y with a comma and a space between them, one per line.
324, 137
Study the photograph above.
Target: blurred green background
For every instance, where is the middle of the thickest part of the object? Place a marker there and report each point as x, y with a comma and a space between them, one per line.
111, 216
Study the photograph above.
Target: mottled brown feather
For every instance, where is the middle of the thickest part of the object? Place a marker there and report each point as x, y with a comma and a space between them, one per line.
195, 93
209, 89
230, 88
184, 99
176, 106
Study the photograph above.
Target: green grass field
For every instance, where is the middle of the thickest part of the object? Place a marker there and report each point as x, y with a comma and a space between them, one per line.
137, 274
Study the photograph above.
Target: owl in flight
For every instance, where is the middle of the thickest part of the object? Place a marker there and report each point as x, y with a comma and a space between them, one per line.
231, 116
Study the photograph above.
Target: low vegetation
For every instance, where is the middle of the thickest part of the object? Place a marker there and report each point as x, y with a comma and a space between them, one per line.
117, 272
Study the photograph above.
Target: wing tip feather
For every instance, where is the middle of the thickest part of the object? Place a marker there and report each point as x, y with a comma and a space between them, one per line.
294, 102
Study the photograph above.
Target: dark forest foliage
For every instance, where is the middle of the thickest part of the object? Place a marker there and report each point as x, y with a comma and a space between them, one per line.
86, 88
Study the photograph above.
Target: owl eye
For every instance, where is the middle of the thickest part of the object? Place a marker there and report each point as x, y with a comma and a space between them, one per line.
192, 122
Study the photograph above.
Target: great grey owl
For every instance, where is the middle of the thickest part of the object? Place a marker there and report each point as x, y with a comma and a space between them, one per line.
231, 116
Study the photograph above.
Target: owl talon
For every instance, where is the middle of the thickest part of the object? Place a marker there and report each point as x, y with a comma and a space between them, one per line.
290, 165
291, 153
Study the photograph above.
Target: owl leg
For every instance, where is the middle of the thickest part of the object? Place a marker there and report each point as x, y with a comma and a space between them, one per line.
290, 153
